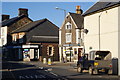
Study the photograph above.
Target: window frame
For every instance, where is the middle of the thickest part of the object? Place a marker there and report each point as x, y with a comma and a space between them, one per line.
68, 25
68, 41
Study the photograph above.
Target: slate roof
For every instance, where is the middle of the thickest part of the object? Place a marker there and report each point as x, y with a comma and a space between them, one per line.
78, 19
29, 26
12, 20
100, 6
42, 39
40, 28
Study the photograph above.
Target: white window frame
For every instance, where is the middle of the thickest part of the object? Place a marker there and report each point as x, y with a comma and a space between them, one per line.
70, 40
21, 38
15, 38
68, 24
52, 51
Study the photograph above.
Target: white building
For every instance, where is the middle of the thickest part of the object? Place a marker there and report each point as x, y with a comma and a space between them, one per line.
103, 23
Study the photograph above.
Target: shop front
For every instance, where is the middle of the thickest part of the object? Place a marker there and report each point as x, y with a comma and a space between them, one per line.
72, 53
30, 52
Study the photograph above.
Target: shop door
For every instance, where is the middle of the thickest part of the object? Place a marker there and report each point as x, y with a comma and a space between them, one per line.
79, 53
35, 53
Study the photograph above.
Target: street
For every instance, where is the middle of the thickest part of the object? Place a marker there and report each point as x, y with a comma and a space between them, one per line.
19, 70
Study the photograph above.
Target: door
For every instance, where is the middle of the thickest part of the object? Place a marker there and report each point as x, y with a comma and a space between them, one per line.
79, 53
35, 53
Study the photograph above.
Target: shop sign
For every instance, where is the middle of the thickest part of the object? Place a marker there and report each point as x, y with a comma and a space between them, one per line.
30, 46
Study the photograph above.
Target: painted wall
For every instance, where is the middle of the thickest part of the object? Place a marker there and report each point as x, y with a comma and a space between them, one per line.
3, 35
108, 31
119, 38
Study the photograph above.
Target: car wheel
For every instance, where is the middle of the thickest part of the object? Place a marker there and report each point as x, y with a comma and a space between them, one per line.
90, 70
79, 68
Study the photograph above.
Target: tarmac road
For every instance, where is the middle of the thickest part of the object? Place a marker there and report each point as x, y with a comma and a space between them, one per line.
17, 70
21, 71
67, 71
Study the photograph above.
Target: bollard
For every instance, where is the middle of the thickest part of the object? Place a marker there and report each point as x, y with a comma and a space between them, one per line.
44, 60
49, 61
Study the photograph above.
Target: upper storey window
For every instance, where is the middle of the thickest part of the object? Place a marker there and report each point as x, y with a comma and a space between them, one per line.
68, 25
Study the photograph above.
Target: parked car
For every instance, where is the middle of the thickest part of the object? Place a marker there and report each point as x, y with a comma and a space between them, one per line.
95, 62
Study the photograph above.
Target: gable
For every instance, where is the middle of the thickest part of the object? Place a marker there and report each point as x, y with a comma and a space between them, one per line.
75, 19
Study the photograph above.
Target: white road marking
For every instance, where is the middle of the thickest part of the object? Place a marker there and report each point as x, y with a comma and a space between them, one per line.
53, 73
31, 76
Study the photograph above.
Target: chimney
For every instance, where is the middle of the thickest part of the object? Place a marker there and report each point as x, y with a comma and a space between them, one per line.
5, 17
23, 11
78, 10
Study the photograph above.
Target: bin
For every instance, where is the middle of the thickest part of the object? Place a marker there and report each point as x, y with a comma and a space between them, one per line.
115, 66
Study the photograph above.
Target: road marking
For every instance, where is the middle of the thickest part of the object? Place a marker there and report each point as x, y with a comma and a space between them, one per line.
53, 73
31, 77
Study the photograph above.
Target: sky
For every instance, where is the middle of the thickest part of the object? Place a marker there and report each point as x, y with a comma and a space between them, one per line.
41, 10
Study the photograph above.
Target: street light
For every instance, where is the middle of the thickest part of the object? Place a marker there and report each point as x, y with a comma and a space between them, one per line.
57, 8
100, 30
84, 31
61, 9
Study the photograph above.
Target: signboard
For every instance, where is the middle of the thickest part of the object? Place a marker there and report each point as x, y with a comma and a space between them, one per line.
26, 49
14, 47
29, 46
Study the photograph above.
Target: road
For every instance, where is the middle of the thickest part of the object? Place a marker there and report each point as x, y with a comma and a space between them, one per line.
36, 70
19, 71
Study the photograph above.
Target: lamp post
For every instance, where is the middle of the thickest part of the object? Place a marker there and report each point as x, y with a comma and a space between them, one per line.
57, 8
61, 9
84, 31
100, 30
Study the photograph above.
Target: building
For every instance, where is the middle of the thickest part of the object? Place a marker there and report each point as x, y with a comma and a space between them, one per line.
102, 22
70, 42
24, 38
10, 24
38, 40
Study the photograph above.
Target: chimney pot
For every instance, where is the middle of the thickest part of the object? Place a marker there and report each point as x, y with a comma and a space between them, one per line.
78, 10
5, 17
23, 11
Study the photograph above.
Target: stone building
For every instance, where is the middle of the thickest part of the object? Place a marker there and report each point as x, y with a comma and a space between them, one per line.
38, 39
23, 37
7, 26
70, 42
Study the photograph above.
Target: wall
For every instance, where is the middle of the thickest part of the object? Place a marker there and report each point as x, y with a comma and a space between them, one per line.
119, 39
108, 31
3, 35
64, 31
44, 54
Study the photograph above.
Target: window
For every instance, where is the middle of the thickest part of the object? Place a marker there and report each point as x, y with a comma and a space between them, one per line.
50, 50
68, 37
14, 38
21, 36
68, 25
